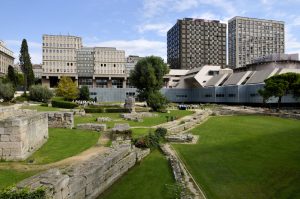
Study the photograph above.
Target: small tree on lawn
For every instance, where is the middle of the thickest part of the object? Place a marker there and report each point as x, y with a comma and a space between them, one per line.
67, 89
147, 77
26, 66
84, 93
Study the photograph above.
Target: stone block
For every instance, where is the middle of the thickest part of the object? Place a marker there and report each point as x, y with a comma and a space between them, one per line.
5, 138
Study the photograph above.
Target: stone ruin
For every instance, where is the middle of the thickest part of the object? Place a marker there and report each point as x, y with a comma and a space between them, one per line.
87, 179
92, 126
103, 119
121, 132
22, 132
138, 117
179, 138
61, 119
130, 104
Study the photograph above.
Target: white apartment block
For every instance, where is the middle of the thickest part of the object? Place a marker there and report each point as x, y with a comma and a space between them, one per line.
94, 66
59, 57
250, 38
6, 58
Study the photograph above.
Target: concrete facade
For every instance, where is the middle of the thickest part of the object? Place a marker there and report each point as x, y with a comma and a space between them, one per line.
6, 58
21, 133
196, 42
250, 38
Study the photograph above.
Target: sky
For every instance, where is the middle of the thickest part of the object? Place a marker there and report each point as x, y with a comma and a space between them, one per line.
137, 26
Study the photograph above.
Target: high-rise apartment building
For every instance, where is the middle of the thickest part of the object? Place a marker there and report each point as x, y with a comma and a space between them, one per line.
250, 38
193, 43
6, 58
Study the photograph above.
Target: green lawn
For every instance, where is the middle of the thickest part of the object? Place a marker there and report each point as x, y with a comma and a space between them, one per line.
137, 132
253, 157
10, 177
150, 179
147, 122
63, 143
41, 108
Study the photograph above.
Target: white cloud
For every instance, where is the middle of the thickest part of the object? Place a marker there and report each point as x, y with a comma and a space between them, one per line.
141, 47
160, 28
35, 50
154, 7
182, 5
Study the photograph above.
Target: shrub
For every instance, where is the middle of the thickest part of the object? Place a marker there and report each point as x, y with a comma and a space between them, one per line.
44, 104
7, 91
40, 93
161, 132
94, 110
63, 104
12, 192
116, 110
22, 98
84, 93
157, 101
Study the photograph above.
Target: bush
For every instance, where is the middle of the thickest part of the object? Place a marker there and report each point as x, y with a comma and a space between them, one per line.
40, 93
116, 110
157, 101
94, 110
84, 93
161, 132
63, 104
21, 98
44, 104
7, 91
67, 89
12, 192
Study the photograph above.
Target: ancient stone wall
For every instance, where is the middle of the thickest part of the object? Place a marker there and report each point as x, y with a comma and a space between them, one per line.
92, 126
61, 119
21, 133
88, 179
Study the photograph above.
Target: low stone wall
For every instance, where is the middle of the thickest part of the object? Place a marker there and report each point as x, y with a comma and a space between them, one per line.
92, 126
197, 118
22, 133
61, 119
88, 179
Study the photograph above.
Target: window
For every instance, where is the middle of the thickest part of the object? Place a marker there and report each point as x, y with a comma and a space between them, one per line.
101, 83
117, 83
219, 95
231, 95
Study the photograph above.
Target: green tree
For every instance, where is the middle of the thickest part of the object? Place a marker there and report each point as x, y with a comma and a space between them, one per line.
12, 76
280, 85
7, 91
157, 101
147, 77
84, 93
67, 88
26, 66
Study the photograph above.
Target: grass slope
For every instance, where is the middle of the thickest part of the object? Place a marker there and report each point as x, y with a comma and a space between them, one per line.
246, 157
138, 132
63, 143
147, 180
10, 177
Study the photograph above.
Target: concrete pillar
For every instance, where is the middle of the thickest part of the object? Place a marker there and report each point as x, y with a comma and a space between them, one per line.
45, 82
109, 84
124, 83
94, 83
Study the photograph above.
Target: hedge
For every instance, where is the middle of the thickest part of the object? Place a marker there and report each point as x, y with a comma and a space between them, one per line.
116, 110
63, 104
14, 193
94, 110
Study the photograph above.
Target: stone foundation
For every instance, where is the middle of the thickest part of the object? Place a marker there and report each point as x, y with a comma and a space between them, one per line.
88, 179
22, 132
61, 119
92, 126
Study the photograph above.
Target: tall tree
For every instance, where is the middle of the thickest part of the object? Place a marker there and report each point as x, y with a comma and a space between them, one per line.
26, 66
147, 77
12, 76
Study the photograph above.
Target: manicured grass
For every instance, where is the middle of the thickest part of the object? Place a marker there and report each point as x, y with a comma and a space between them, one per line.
150, 179
246, 157
40, 108
137, 132
147, 122
63, 143
10, 177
